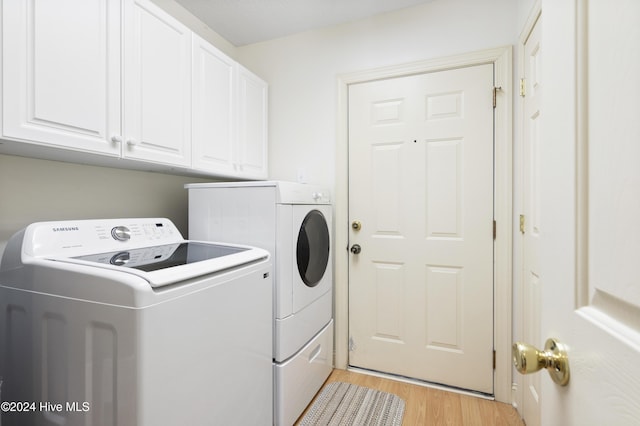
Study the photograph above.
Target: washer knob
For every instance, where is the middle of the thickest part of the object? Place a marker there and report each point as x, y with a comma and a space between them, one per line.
121, 233
120, 259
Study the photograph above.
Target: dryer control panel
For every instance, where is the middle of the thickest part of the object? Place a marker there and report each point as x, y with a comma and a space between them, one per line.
79, 237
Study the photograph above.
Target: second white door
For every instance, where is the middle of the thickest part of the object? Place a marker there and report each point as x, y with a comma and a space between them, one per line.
531, 282
421, 200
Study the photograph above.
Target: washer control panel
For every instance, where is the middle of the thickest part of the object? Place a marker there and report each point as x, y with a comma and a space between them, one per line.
74, 238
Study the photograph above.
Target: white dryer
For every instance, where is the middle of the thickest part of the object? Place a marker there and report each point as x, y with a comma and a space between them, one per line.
293, 222
122, 321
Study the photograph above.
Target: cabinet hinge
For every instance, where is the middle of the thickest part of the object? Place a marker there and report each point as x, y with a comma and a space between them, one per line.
523, 87
495, 94
494, 359
522, 224
494, 229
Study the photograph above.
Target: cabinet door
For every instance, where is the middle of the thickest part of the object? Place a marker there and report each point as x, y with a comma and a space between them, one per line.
252, 125
213, 131
61, 73
157, 85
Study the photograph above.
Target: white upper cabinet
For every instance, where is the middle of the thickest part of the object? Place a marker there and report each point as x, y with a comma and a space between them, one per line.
229, 115
252, 125
125, 80
61, 73
157, 85
214, 103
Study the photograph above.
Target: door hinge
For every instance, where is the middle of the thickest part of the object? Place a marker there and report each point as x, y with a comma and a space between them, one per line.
495, 94
522, 224
523, 87
494, 359
494, 229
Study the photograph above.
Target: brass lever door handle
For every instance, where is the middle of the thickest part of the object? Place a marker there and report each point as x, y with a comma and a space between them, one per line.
527, 359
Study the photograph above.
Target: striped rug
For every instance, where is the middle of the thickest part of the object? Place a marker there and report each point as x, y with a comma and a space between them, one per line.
344, 404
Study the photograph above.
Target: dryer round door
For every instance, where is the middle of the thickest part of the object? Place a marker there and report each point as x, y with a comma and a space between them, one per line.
312, 256
312, 249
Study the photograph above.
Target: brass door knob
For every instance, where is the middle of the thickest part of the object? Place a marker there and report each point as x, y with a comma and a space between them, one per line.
356, 225
527, 359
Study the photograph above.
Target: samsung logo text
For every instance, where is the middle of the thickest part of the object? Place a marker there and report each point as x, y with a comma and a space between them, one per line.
66, 229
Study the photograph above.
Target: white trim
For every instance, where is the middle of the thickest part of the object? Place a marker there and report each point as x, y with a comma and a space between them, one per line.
502, 59
419, 383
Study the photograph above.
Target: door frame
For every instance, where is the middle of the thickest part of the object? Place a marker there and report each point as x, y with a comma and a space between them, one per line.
501, 57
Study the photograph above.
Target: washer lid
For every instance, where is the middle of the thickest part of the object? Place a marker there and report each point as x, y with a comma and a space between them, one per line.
154, 258
172, 263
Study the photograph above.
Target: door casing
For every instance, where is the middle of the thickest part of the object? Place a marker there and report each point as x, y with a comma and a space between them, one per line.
501, 57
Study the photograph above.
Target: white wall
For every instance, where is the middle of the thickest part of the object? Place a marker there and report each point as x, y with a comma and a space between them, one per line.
34, 190
301, 70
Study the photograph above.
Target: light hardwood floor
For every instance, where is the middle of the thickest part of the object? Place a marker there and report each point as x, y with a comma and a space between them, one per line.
428, 406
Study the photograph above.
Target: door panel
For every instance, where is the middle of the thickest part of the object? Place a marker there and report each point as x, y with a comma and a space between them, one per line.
590, 236
421, 184
444, 189
387, 168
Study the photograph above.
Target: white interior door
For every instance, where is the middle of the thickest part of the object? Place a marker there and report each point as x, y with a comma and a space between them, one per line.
531, 308
590, 205
421, 187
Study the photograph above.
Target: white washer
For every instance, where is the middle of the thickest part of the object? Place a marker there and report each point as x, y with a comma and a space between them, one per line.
123, 322
293, 222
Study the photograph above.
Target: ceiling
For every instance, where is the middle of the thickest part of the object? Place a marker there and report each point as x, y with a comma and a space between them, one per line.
244, 22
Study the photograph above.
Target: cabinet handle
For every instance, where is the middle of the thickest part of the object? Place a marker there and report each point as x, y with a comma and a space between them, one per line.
132, 142
116, 139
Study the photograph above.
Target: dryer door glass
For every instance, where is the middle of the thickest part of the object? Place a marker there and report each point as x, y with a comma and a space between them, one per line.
312, 250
